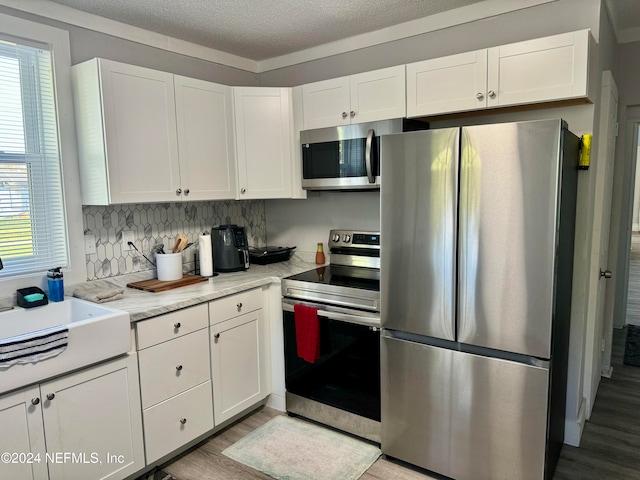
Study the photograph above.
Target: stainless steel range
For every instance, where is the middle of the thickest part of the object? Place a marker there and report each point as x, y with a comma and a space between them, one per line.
342, 387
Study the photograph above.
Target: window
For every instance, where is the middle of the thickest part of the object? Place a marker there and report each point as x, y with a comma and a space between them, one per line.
32, 214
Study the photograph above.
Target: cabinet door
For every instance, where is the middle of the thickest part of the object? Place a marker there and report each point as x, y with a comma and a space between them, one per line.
95, 414
378, 95
204, 113
140, 132
263, 141
540, 70
448, 84
236, 365
23, 435
326, 103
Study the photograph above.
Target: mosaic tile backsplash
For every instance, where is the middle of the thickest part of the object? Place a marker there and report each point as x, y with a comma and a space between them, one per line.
160, 223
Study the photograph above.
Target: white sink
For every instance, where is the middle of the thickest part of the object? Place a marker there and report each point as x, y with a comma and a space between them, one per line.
96, 333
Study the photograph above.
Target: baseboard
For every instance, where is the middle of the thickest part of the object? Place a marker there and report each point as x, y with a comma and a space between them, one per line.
277, 402
573, 427
607, 372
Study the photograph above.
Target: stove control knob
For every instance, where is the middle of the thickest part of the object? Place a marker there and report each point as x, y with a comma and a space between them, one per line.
346, 238
336, 237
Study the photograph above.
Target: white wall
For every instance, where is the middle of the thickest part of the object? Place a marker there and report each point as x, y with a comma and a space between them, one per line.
304, 223
636, 198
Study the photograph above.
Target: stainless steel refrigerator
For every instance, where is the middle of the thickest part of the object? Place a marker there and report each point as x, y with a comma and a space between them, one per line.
477, 229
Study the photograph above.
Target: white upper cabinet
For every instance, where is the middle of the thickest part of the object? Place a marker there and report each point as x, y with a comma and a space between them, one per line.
264, 126
366, 97
126, 126
150, 136
448, 84
540, 70
205, 139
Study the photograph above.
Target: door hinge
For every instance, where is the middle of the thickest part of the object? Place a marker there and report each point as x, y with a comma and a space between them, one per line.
603, 346
615, 129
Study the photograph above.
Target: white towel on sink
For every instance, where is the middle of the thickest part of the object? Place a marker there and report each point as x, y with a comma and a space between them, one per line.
33, 347
100, 291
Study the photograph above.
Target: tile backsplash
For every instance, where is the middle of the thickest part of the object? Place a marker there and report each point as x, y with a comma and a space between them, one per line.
157, 223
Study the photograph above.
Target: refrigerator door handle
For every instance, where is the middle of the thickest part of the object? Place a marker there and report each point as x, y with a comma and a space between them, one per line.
367, 157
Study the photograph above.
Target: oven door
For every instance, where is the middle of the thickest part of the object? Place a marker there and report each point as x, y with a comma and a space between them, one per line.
347, 374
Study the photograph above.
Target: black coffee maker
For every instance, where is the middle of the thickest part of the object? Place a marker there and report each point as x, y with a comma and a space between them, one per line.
230, 248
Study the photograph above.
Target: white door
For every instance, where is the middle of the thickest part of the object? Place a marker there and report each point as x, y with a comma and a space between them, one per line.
378, 95
263, 141
448, 84
140, 122
326, 103
236, 365
22, 436
604, 321
95, 414
540, 70
204, 113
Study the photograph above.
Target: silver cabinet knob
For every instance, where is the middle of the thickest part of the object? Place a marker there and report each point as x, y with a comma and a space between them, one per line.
352, 114
178, 192
243, 190
605, 273
216, 336
183, 421
491, 94
344, 114
51, 396
186, 191
179, 368
177, 325
479, 96
239, 305
35, 401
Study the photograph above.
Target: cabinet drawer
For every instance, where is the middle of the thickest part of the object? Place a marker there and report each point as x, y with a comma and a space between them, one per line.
173, 367
164, 430
172, 325
234, 305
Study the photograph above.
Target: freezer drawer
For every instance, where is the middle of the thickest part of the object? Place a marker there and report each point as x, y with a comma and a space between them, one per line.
462, 415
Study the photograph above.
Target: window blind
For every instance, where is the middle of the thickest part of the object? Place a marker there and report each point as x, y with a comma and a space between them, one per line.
32, 213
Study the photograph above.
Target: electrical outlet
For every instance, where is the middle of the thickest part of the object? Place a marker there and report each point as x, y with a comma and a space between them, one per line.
127, 236
89, 244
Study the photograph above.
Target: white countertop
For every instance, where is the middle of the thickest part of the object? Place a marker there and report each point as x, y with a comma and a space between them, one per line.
142, 305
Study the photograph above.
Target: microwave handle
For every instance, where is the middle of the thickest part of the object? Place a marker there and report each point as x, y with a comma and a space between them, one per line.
367, 157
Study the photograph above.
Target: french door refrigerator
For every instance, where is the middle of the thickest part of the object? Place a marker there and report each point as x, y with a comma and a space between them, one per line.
477, 229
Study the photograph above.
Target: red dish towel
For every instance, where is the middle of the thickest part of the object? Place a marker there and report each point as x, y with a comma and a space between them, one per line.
307, 332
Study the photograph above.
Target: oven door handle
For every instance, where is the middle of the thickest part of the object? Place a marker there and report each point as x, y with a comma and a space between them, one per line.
339, 316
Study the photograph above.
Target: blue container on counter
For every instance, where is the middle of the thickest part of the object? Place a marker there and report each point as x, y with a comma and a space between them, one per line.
56, 284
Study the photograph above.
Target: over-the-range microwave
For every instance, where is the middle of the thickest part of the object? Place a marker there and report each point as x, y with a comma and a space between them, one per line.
346, 157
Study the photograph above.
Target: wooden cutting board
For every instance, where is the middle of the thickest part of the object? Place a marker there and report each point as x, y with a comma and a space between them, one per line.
155, 285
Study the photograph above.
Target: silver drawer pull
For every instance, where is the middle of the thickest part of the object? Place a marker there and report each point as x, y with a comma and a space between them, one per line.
183, 421
51, 396
35, 401
239, 305
216, 336
179, 368
177, 325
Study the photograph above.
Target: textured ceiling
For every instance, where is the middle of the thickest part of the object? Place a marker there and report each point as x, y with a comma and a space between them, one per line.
260, 29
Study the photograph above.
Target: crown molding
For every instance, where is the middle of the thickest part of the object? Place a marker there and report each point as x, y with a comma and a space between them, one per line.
459, 16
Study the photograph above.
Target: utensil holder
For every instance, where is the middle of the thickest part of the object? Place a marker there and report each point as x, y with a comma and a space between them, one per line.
169, 266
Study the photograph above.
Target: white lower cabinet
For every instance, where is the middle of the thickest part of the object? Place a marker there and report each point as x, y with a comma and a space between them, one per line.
236, 365
89, 421
178, 420
240, 353
175, 379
